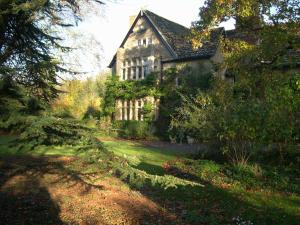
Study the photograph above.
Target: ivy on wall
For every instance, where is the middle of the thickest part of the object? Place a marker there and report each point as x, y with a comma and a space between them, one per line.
129, 90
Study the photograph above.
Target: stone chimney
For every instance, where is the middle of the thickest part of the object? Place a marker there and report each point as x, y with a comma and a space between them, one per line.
131, 20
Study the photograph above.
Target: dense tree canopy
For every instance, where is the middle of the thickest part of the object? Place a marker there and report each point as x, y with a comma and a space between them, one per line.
261, 107
29, 39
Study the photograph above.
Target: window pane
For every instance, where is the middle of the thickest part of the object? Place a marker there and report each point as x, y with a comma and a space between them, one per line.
128, 110
140, 72
133, 72
124, 75
145, 67
128, 74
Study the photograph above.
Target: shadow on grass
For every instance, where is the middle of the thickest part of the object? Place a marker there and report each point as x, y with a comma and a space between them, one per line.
210, 204
150, 168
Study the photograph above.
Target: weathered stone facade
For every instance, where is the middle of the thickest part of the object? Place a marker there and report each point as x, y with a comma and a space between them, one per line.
155, 44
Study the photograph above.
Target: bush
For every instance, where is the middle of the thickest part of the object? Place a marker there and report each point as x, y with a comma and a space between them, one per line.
91, 112
134, 129
56, 131
16, 123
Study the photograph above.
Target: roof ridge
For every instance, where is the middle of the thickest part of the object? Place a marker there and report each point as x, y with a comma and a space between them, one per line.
170, 21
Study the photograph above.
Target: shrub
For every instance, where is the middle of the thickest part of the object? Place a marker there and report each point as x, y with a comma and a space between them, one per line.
91, 112
134, 129
33, 105
63, 113
16, 122
56, 131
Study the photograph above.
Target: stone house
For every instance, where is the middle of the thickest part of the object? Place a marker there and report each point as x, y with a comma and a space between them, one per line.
154, 43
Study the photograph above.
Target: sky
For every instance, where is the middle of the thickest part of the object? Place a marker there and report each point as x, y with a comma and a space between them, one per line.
111, 23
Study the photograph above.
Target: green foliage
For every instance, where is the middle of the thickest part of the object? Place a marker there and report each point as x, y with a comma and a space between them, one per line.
91, 112
16, 122
15, 98
134, 129
251, 176
147, 112
261, 108
29, 34
129, 90
80, 99
190, 82
137, 178
55, 131
243, 121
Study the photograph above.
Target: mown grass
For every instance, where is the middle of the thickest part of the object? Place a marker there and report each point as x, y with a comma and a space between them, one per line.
142, 157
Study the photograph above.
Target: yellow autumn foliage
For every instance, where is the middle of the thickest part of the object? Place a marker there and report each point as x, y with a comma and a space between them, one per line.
77, 96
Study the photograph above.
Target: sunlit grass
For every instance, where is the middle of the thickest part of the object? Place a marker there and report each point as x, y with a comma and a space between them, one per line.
142, 157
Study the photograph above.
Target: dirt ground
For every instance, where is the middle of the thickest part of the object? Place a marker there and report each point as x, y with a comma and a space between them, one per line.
65, 190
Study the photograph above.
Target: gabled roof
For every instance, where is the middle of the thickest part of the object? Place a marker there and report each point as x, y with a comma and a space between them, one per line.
174, 37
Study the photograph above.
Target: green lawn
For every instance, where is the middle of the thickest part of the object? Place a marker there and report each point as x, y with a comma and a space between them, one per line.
142, 157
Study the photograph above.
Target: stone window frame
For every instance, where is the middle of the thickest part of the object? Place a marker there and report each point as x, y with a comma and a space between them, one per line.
131, 109
136, 68
145, 42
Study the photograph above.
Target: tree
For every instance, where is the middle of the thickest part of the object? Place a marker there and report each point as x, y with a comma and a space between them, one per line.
29, 39
262, 106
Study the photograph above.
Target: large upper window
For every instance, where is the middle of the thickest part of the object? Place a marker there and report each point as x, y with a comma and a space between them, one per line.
137, 68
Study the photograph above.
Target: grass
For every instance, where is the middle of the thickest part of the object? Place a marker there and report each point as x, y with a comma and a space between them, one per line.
261, 194
227, 195
142, 157
264, 195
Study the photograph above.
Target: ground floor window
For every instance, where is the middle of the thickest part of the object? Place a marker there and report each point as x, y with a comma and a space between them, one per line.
133, 109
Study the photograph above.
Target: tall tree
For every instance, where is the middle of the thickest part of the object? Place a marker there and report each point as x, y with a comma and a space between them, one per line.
29, 39
262, 54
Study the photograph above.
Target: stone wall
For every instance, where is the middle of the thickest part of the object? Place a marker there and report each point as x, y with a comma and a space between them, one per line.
143, 50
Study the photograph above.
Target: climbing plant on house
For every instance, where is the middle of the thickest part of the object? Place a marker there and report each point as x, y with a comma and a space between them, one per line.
129, 90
